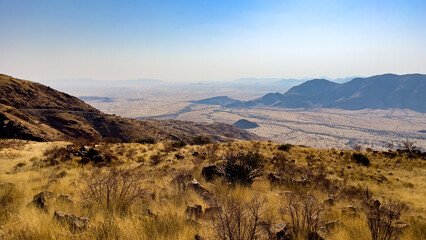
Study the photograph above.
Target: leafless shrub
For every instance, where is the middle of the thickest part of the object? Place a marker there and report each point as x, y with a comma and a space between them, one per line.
239, 220
156, 159
113, 189
382, 218
305, 214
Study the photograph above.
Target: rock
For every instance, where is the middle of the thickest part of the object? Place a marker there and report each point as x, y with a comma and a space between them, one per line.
198, 237
332, 225
195, 211
329, 202
195, 154
211, 172
202, 191
212, 211
275, 179
75, 223
401, 225
41, 199
179, 156
65, 198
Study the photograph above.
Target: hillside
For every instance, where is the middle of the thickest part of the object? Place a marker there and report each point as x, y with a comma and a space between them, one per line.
245, 124
377, 92
54, 190
33, 111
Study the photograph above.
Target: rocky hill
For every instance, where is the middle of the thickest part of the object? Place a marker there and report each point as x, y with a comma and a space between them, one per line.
34, 111
377, 92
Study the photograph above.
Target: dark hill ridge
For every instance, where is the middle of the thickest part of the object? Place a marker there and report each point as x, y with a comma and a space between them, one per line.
33, 111
377, 92
245, 124
220, 100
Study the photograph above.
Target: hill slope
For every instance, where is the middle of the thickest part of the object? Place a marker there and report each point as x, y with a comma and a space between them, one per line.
33, 111
377, 92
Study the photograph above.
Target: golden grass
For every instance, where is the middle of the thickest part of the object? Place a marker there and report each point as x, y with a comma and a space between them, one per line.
405, 181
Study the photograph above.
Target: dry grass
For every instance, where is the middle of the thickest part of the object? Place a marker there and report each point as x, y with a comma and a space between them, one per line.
160, 213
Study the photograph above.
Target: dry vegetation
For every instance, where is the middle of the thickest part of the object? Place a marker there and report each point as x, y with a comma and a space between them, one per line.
255, 190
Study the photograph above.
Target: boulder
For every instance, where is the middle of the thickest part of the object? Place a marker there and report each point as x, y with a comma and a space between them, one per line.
74, 222
66, 198
194, 211
41, 199
210, 212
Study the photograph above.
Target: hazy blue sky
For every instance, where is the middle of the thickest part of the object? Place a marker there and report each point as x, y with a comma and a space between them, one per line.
203, 40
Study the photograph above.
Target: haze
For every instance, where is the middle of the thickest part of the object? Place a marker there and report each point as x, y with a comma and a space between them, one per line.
210, 40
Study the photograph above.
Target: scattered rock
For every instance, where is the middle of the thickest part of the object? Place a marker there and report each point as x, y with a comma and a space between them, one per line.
333, 225
212, 211
198, 237
179, 156
211, 172
75, 223
195, 211
41, 199
202, 191
65, 198
329, 202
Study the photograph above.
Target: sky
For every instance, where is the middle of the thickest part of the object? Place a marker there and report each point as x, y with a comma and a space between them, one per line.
210, 40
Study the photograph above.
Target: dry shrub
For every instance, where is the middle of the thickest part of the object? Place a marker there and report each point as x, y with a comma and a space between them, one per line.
305, 214
201, 140
10, 198
55, 155
114, 190
382, 219
238, 220
242, 168
157, 159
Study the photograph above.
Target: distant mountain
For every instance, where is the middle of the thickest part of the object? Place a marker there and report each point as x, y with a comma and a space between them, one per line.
220, 100
245, 124
33, 111
96, 98
377, 92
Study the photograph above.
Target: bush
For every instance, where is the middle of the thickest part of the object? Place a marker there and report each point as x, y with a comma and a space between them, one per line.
361, 159
305, 214
382, 219
285, 147
242, 168
201, 140
146, 140
114, 190
238, 220
178, 144
156, 159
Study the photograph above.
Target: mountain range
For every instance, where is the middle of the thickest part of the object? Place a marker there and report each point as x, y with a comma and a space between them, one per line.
33, 111
385, 91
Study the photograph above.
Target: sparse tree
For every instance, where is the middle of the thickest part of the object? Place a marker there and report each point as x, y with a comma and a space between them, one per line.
382, 218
